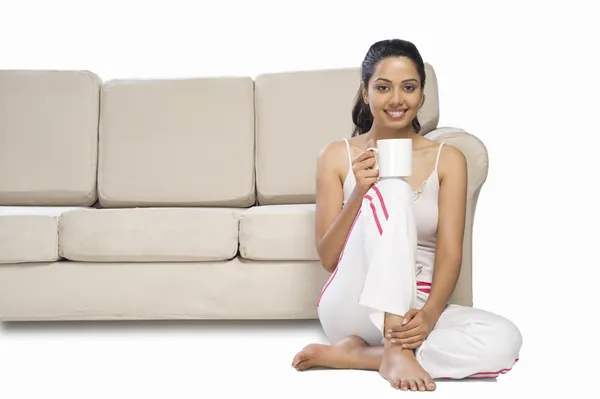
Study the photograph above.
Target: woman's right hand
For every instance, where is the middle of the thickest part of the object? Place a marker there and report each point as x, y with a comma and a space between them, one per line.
364, 169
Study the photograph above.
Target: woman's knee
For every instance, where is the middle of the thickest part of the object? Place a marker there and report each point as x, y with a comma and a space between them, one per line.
502, 338
512, 335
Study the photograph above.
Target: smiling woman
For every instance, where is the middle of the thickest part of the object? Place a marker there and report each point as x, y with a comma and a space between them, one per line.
421, 336
398, 60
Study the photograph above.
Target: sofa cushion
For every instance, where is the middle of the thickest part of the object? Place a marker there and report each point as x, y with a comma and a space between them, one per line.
48, 137
180, 142
149, 234
235, 289
297, 114
29, 234
278, 232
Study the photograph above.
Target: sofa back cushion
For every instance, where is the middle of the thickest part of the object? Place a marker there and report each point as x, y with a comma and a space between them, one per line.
177, 142
297, 114
48, 137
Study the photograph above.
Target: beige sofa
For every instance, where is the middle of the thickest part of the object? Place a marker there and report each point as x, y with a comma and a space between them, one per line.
175, 198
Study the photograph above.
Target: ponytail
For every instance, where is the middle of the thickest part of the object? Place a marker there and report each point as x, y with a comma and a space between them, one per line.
361, 116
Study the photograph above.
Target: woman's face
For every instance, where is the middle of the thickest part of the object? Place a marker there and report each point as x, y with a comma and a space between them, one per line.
394, 93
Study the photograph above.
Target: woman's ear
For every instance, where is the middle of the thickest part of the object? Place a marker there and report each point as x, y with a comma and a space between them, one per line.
363, 91
423, 101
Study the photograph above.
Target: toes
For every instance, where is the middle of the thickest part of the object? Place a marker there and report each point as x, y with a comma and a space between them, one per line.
303, 365
404, 385
431, 386
421, 385
413, 385
301, 356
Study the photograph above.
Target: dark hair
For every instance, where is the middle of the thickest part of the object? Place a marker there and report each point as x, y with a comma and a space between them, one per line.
361, 113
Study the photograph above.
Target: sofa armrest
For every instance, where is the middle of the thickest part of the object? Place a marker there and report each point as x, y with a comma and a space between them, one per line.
477, 169
473, 149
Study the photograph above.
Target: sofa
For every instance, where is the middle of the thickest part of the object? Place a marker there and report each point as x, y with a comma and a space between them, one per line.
189, 198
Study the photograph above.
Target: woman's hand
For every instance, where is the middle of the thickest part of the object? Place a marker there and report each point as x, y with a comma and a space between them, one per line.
415, 328
364, 170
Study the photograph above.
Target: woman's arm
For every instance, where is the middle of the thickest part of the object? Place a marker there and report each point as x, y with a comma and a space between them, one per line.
332, 221
451, 227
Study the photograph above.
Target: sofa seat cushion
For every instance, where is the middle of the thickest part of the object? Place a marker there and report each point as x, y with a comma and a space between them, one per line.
278, 232
29, 234
149, 234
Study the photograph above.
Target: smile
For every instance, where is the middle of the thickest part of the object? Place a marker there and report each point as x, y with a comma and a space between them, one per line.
396, 114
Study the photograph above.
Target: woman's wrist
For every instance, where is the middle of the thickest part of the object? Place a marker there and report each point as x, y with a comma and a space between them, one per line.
434, 309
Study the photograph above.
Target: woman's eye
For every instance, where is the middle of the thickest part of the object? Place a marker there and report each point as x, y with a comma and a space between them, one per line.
411, 88
380, 88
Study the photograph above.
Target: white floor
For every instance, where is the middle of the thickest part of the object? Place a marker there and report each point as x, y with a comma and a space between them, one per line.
194, 359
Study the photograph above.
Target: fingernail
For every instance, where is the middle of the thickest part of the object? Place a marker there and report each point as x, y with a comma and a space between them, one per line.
388, 335
393, 341
404, 321
404, 346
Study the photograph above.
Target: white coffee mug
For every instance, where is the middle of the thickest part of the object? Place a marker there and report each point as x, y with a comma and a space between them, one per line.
394, 157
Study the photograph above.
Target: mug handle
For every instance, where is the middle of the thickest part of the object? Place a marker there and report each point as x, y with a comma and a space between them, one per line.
376, 151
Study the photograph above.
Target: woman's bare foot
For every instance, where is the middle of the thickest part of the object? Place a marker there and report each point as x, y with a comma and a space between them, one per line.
346, 354
401, 369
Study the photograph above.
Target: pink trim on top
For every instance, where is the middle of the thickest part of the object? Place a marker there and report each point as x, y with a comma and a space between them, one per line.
421, 287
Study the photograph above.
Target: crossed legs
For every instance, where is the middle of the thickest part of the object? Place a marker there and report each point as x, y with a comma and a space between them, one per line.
374, 285
465, 343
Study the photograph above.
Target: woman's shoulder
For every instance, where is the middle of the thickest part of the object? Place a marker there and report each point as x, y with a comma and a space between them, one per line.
331, 150
333, 155
452, 161
337, 147
451, 155
447, 152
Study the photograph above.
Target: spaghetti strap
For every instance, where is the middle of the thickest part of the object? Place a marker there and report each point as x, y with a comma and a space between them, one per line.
437, 159
349, 154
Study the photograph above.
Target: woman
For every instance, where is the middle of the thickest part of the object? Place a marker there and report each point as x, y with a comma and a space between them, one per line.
358, 218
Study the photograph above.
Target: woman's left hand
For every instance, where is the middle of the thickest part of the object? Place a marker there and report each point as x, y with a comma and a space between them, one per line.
418, 325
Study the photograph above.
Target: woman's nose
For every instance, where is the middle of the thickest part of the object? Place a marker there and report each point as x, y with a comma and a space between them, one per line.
396, 98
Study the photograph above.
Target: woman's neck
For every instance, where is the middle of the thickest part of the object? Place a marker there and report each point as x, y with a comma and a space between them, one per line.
381, 134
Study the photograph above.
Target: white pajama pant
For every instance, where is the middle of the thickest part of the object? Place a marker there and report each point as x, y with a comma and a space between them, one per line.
376, 275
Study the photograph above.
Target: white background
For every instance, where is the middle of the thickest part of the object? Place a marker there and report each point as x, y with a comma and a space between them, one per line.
522, 76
